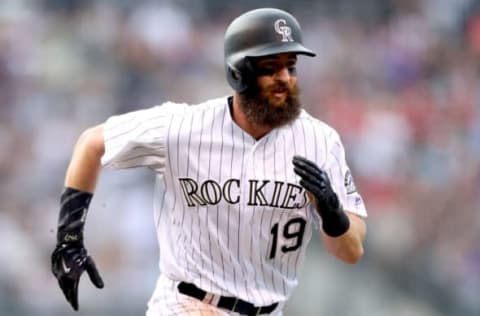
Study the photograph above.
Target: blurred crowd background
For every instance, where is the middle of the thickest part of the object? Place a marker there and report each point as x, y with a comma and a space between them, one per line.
400, 81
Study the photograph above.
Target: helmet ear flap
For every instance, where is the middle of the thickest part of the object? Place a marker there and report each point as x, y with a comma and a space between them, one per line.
243, 77
235, 74
235, 79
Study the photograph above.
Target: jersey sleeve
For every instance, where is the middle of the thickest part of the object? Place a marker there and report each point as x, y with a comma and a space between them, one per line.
341, 178
139, 138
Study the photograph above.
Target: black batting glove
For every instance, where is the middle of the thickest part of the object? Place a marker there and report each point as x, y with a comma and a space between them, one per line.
70, 258
335, 221
68, 264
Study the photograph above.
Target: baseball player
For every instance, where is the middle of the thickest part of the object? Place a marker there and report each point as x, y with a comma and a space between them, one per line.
242, 182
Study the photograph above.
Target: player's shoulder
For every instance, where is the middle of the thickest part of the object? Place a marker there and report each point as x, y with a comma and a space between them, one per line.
185, 108
221, 102
319, 126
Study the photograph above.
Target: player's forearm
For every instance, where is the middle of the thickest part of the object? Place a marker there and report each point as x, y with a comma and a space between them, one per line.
85, 165
349, 246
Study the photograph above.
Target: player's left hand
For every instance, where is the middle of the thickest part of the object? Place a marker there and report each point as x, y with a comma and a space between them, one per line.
69, 261
316, 181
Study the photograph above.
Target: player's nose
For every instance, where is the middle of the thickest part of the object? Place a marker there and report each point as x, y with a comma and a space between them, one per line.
282, 74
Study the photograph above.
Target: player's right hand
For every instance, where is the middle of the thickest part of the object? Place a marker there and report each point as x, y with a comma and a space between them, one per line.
69, 261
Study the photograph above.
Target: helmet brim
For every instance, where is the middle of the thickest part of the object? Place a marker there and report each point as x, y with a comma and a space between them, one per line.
269, 49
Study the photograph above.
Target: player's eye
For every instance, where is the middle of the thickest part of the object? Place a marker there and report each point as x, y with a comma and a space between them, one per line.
292, 66
269, 68
266, 70
292, 70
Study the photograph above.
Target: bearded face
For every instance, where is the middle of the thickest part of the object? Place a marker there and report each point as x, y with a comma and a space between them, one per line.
273, 104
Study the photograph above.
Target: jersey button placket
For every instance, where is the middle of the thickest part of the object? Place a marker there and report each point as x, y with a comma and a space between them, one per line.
250, 174
247, 211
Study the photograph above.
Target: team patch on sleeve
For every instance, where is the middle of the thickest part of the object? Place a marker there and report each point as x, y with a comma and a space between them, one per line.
348, 182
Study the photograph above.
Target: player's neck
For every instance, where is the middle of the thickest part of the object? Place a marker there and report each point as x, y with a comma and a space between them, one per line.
239, 117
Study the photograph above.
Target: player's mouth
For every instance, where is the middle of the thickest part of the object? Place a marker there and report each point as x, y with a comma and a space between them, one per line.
280, 93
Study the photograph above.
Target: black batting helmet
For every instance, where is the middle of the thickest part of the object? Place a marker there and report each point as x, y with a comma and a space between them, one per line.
258, 33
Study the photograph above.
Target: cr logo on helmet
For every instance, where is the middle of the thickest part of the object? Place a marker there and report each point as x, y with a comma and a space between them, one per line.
283, 29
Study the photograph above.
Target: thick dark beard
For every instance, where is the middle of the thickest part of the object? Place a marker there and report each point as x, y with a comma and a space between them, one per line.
260, 111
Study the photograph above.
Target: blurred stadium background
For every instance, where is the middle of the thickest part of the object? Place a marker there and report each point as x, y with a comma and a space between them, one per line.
400, 80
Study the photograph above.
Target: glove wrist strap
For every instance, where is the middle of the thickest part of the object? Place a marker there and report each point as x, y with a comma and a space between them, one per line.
73, 212
336, 223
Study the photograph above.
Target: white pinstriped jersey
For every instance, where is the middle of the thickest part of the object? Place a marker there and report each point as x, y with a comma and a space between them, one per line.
230, 214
